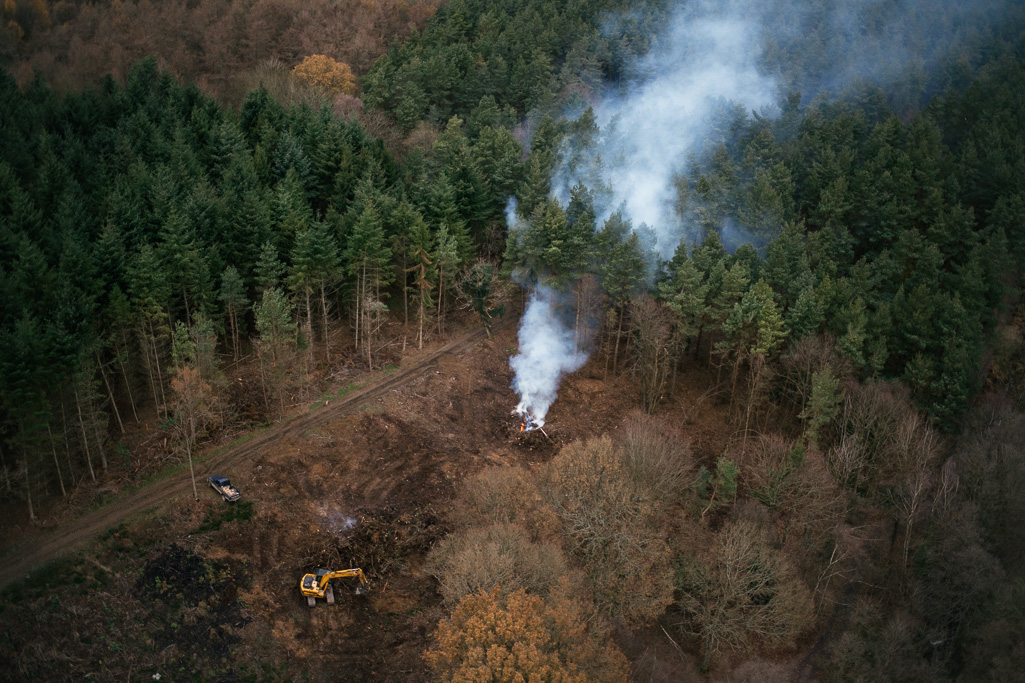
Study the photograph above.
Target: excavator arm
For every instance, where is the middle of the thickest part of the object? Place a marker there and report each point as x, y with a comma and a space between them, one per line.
318, 584
344, 574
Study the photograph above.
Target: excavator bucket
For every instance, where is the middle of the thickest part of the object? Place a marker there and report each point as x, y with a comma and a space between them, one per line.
361, 589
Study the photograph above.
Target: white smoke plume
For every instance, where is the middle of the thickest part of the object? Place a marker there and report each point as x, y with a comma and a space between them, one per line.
707, 58
547, 352
711, 58
701, 61
704, 64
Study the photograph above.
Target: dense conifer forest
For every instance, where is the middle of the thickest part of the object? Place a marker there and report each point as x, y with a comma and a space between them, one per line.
847, 270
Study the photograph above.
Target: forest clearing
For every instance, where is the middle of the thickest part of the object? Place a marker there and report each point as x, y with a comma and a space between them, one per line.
365, 483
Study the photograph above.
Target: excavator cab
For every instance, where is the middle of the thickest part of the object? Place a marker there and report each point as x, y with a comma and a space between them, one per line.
318, 584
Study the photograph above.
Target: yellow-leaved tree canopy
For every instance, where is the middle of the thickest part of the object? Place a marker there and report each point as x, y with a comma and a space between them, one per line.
323, 72
515, 637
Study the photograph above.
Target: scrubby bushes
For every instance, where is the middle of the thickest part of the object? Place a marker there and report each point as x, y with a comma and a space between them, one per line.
498, 495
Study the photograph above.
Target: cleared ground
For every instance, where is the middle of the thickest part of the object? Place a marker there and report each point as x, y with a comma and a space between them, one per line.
364, 480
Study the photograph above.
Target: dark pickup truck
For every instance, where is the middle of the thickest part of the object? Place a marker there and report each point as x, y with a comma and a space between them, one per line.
224, 487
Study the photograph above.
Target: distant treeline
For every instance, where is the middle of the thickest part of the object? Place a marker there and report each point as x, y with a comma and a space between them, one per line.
225, 46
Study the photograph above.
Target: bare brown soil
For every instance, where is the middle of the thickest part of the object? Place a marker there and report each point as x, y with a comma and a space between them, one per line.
364, 480
31, 549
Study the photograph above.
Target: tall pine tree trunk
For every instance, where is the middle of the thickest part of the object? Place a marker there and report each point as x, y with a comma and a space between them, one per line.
124, 374
359, 302
619, 333
370, 334
576, 323
233, 324
190, 426
309, 325
150, 372
113, 403
28, 486
756, 374
7, 473
370, 309
261, 352
327, 336
736, 374
711, 344
67, 444
85, 438
420, 331
95, 413
405, 295
160, 374
441, 295
188, 312
53, 447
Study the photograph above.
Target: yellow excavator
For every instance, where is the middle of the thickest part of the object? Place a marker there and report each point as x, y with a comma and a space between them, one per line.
318, 584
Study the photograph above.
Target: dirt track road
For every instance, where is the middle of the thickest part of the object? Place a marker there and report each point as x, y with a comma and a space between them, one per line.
47, 545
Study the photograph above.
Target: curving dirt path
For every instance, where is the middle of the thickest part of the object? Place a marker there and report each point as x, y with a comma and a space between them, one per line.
48, 545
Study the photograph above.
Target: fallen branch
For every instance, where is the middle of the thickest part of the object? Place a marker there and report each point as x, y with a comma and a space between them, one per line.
675, 644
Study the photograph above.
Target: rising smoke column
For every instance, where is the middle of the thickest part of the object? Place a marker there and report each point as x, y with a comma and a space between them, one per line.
708, 55
547, 352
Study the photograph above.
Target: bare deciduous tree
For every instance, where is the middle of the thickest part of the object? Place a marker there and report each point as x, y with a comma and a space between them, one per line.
657, 458
502, 555
788, 478
655, 349
741, 591
909, 498
611, 527
846, 462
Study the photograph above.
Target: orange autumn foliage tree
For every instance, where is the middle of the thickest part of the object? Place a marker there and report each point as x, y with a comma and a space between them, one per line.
521, 637
323, 72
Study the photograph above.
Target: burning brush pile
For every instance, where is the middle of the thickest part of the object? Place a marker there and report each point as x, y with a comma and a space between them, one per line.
548, 350
530, 432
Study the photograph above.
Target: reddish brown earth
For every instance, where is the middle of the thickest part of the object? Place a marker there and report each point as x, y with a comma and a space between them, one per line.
365, 480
